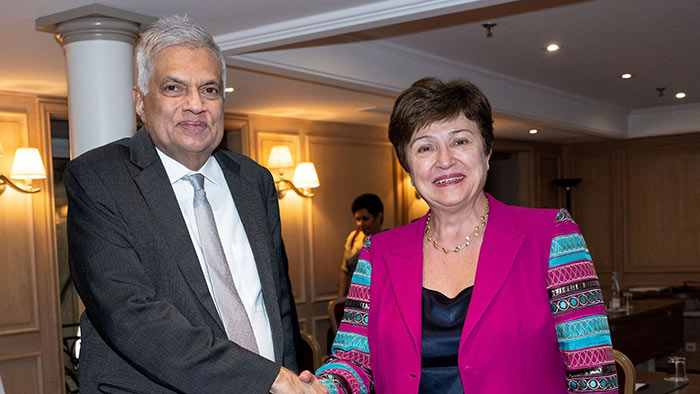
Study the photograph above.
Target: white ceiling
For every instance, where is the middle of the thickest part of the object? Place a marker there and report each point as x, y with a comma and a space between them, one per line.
346, 60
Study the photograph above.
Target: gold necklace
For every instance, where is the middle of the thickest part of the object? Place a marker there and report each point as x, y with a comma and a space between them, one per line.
467, 239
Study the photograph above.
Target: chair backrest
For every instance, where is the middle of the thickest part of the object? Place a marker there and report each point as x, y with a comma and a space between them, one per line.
626, 374
336, 308
310, 353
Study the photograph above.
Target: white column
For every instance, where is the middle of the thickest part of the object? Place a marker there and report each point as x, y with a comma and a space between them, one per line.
99, 53
98, 43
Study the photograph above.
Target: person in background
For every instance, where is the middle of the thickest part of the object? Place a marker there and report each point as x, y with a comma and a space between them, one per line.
368, 211
175, 246
477, 296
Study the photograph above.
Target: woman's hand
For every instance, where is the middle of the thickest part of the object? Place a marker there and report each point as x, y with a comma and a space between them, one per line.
289, 383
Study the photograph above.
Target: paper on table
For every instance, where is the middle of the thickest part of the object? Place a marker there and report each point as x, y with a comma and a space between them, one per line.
639, 386
2, 390
647, 289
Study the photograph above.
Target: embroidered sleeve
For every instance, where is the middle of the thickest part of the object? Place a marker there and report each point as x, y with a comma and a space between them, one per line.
579, 312
347, 370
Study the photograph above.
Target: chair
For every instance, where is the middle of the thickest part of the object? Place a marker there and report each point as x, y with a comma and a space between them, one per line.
310, 353
336, 308
70, 367
626, 374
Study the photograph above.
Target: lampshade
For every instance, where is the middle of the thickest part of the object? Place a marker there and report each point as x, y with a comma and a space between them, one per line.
1, 151
27, 165
305, 176
280, 157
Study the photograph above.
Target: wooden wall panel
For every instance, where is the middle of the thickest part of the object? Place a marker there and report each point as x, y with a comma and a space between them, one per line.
538, 165
22, 374
18, 285
30, 344
314, 230
303, 324
527, 177
322, 326
661, 199
592, 206
18, 267
548, 169
639, 212
352, 167
293, 225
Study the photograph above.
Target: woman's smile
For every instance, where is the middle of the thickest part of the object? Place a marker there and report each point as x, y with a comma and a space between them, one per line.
447, 180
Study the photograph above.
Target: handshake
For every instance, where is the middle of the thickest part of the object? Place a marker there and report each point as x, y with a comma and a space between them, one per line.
288, 382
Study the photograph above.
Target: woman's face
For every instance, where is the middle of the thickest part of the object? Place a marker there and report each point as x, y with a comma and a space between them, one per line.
447, 162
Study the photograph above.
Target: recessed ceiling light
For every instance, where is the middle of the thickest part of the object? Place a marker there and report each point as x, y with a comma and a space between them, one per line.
533, 131
553, 47
680, 95
626, 76
228, 90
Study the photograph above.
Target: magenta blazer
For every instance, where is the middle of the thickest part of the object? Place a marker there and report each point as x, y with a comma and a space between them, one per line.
509, 342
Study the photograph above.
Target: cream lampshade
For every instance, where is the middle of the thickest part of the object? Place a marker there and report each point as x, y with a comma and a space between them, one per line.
280, 157
27, 165
305, 176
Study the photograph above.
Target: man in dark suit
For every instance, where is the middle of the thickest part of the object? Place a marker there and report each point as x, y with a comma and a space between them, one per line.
175, 246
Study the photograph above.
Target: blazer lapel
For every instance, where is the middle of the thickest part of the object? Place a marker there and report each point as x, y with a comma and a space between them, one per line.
250, 208
405, 268
155, 187
498, 251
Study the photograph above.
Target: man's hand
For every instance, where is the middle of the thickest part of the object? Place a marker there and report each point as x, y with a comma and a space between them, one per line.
289, 383
309, 379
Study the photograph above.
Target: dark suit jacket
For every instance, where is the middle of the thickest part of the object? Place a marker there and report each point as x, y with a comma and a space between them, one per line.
150, 324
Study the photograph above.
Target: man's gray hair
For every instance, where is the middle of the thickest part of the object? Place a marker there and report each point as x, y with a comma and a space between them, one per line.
169, 31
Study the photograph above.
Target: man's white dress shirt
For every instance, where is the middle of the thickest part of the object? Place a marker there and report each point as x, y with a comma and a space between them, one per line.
237, 249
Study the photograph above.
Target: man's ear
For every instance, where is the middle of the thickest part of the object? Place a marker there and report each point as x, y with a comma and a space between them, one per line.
138, 97
380, 216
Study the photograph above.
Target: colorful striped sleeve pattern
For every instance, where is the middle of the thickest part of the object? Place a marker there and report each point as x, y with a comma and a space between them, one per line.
348, 370
579, 312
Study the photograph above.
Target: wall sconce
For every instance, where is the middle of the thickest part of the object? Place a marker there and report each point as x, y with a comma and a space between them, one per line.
27, 165
305, 176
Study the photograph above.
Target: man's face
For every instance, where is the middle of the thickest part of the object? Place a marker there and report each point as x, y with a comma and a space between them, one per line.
368, 223
183, 110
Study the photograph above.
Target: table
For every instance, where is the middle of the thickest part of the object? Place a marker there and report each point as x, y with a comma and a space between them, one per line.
657, 384
654, 328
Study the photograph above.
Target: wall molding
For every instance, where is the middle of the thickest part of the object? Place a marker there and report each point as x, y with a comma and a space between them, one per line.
675, 119
371, 15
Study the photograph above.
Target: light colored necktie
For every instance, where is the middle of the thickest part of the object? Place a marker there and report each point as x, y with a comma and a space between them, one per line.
233, 314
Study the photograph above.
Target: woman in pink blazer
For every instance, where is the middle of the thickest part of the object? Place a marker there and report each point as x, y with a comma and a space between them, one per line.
477, 296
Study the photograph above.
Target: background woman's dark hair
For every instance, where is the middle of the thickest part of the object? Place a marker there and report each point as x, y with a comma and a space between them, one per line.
371, 202
431, 100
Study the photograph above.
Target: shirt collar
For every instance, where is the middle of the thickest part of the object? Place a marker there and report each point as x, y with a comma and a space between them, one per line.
176, 170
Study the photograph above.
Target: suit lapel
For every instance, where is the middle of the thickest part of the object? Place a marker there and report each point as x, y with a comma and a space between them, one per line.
250, 207
498, 251
153, 182
405, 268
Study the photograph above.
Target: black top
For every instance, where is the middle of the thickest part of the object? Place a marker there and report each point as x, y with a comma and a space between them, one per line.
443, 319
